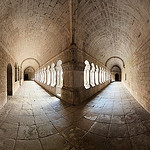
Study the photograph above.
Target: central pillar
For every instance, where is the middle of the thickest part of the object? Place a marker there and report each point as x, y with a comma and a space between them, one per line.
73, 90
73, 78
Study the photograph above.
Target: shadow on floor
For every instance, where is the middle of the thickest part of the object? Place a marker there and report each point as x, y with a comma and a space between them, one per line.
113, 120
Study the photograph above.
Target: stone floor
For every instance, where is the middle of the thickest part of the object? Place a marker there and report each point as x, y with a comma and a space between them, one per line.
34, 120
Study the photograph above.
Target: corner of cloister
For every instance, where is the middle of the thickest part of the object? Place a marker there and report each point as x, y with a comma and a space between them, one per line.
74, 74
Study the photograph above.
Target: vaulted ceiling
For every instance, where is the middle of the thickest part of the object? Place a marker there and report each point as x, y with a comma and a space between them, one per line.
37, 29
41, 29
106, 28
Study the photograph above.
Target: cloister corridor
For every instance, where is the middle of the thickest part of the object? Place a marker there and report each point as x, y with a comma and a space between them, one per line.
34, 120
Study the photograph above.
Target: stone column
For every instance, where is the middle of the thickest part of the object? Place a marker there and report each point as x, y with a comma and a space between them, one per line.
73, 78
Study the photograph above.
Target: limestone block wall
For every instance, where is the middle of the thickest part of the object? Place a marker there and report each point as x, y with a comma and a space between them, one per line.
138, 75
5, 59
16, 86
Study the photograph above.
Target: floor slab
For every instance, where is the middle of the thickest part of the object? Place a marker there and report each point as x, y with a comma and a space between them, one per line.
113, 120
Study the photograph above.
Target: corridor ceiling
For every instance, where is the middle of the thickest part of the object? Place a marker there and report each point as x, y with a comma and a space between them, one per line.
40, 29
108, 28
34, 28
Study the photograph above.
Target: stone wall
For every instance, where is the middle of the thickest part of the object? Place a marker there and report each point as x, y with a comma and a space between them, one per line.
16, 86
5, 59
138, 75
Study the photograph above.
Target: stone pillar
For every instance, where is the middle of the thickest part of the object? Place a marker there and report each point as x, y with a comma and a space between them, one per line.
73, 90
73, 78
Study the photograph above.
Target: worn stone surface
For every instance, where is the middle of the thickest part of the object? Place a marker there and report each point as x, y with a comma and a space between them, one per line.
118, 28
44, 122
37, 33
6, 59
31, 29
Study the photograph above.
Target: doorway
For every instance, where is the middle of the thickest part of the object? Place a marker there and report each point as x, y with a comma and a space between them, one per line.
116, 77
26, 77
9, 79
115, 73
29, 74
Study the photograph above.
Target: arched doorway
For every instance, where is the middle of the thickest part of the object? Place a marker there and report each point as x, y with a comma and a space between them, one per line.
9, 79
115, 73
26, 77
116, 77
29, 73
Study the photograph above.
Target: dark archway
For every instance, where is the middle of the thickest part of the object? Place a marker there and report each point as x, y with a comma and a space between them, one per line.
115, 73
116, 77
29, 73
26, 77
16, 74
9, 79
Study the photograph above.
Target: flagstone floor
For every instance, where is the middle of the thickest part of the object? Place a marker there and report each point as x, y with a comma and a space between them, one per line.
34, 120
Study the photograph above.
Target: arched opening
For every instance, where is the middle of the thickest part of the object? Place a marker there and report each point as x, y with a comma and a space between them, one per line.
9, 79
96, 75
59, 71
87, 75
26, 77
100, 75
92, 75
34, 64
116, 73
29, 74
116, 77
115, 57
48, 75
53, 75
16, 73
59, 76
45, 76
42, 76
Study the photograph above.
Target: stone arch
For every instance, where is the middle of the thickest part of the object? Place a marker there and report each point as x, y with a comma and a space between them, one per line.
116, 73
116, 66
31, 75
117, 58
31, 59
